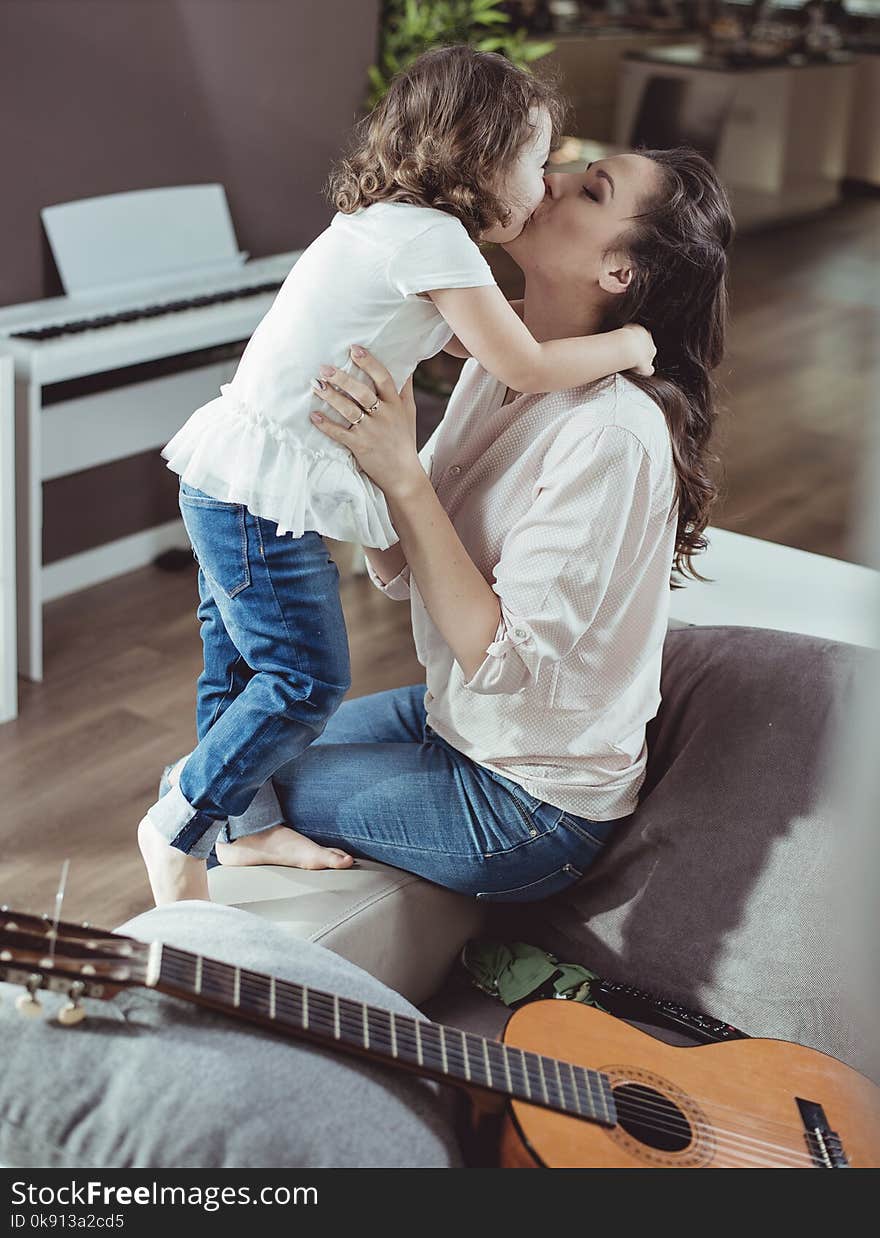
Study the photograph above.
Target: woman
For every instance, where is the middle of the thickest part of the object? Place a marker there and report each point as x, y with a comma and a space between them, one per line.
509, 771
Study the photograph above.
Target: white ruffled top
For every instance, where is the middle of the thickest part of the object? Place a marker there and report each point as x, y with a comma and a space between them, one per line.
360, 282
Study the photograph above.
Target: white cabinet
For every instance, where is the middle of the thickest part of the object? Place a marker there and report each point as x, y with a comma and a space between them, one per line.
783, 149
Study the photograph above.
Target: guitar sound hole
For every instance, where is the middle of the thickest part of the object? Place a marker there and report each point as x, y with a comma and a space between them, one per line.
651, 1118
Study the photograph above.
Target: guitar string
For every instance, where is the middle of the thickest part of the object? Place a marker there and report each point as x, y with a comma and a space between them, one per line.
356, 1031
732, 1143
454, 1054
733, 1140
786, 1128
323, 1024
762, 1121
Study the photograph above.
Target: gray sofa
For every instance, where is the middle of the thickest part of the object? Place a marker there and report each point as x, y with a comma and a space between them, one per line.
722, 891
717, 893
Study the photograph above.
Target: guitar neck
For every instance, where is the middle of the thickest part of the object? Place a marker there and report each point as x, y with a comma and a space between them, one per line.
430, 1049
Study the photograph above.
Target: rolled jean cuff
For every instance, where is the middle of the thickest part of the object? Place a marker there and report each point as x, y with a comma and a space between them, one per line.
184, 827
263, 813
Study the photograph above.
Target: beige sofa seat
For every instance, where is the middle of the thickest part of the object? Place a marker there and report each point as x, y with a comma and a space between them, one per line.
401, 929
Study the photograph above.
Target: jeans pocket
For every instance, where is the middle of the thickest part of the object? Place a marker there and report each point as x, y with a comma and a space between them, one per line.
536, 816
218, 535
533, 891
596, 834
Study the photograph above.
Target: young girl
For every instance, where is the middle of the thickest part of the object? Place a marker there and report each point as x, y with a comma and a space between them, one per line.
454, 154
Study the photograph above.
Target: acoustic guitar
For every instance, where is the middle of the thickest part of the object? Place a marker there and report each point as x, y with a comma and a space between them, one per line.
571, 1086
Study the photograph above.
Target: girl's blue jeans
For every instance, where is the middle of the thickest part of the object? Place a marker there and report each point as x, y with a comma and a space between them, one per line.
276, 663
381, 784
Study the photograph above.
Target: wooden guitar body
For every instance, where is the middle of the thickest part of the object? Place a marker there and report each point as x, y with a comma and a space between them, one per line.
714, 1106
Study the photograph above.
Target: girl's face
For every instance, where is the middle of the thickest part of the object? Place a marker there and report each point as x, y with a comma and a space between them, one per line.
522, 189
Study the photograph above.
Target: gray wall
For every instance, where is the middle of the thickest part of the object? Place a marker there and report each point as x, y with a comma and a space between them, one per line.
101, 96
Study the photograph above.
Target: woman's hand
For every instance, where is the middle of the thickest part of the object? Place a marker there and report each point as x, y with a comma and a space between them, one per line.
381, 434
380, 429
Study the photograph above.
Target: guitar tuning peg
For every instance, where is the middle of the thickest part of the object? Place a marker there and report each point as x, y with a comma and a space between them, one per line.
73, 1012
27, 1003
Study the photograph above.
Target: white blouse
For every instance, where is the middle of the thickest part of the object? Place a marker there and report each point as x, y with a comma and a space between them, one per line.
359, 282
566, 503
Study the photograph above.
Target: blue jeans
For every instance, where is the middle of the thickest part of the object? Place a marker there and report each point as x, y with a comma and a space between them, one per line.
381, 784
276, 663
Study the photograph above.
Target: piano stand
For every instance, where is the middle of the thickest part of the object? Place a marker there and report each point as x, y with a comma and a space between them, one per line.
85, 398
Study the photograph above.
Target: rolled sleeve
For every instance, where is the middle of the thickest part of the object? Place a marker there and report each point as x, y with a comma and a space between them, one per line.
397, 589
510, 659
590, 511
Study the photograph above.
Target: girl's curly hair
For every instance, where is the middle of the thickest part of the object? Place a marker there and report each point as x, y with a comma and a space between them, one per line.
444, 135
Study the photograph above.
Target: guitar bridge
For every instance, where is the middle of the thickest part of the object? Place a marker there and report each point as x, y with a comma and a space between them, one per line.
824, 1144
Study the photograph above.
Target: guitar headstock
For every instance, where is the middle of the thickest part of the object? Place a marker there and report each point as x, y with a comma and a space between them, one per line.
74, 959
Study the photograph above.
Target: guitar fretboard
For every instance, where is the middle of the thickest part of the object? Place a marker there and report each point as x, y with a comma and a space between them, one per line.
429, 1048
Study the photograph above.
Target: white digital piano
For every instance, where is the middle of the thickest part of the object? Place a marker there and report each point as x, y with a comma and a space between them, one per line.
159, 304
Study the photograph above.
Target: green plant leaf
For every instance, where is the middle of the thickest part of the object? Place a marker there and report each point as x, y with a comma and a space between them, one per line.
410, 27
534, 51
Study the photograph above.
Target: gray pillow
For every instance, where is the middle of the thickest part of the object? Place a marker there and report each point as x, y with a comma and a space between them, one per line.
717, 892
150, 1081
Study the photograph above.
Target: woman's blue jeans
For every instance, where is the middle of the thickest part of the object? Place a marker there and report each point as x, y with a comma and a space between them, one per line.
382, 785
276, 663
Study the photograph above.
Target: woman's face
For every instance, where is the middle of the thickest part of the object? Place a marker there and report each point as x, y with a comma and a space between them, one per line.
573, 232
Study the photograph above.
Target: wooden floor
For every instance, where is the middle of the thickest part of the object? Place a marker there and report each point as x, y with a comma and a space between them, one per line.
81, 763
801, 378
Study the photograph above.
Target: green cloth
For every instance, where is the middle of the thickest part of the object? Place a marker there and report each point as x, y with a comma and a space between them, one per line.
512, 972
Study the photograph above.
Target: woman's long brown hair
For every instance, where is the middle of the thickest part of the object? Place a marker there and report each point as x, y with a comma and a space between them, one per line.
678, 244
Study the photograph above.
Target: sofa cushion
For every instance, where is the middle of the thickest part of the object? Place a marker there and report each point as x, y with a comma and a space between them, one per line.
153, 1082
400, 928
717, 891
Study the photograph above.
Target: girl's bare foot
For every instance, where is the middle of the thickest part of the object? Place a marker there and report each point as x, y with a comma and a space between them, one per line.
281, 845
173, 875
